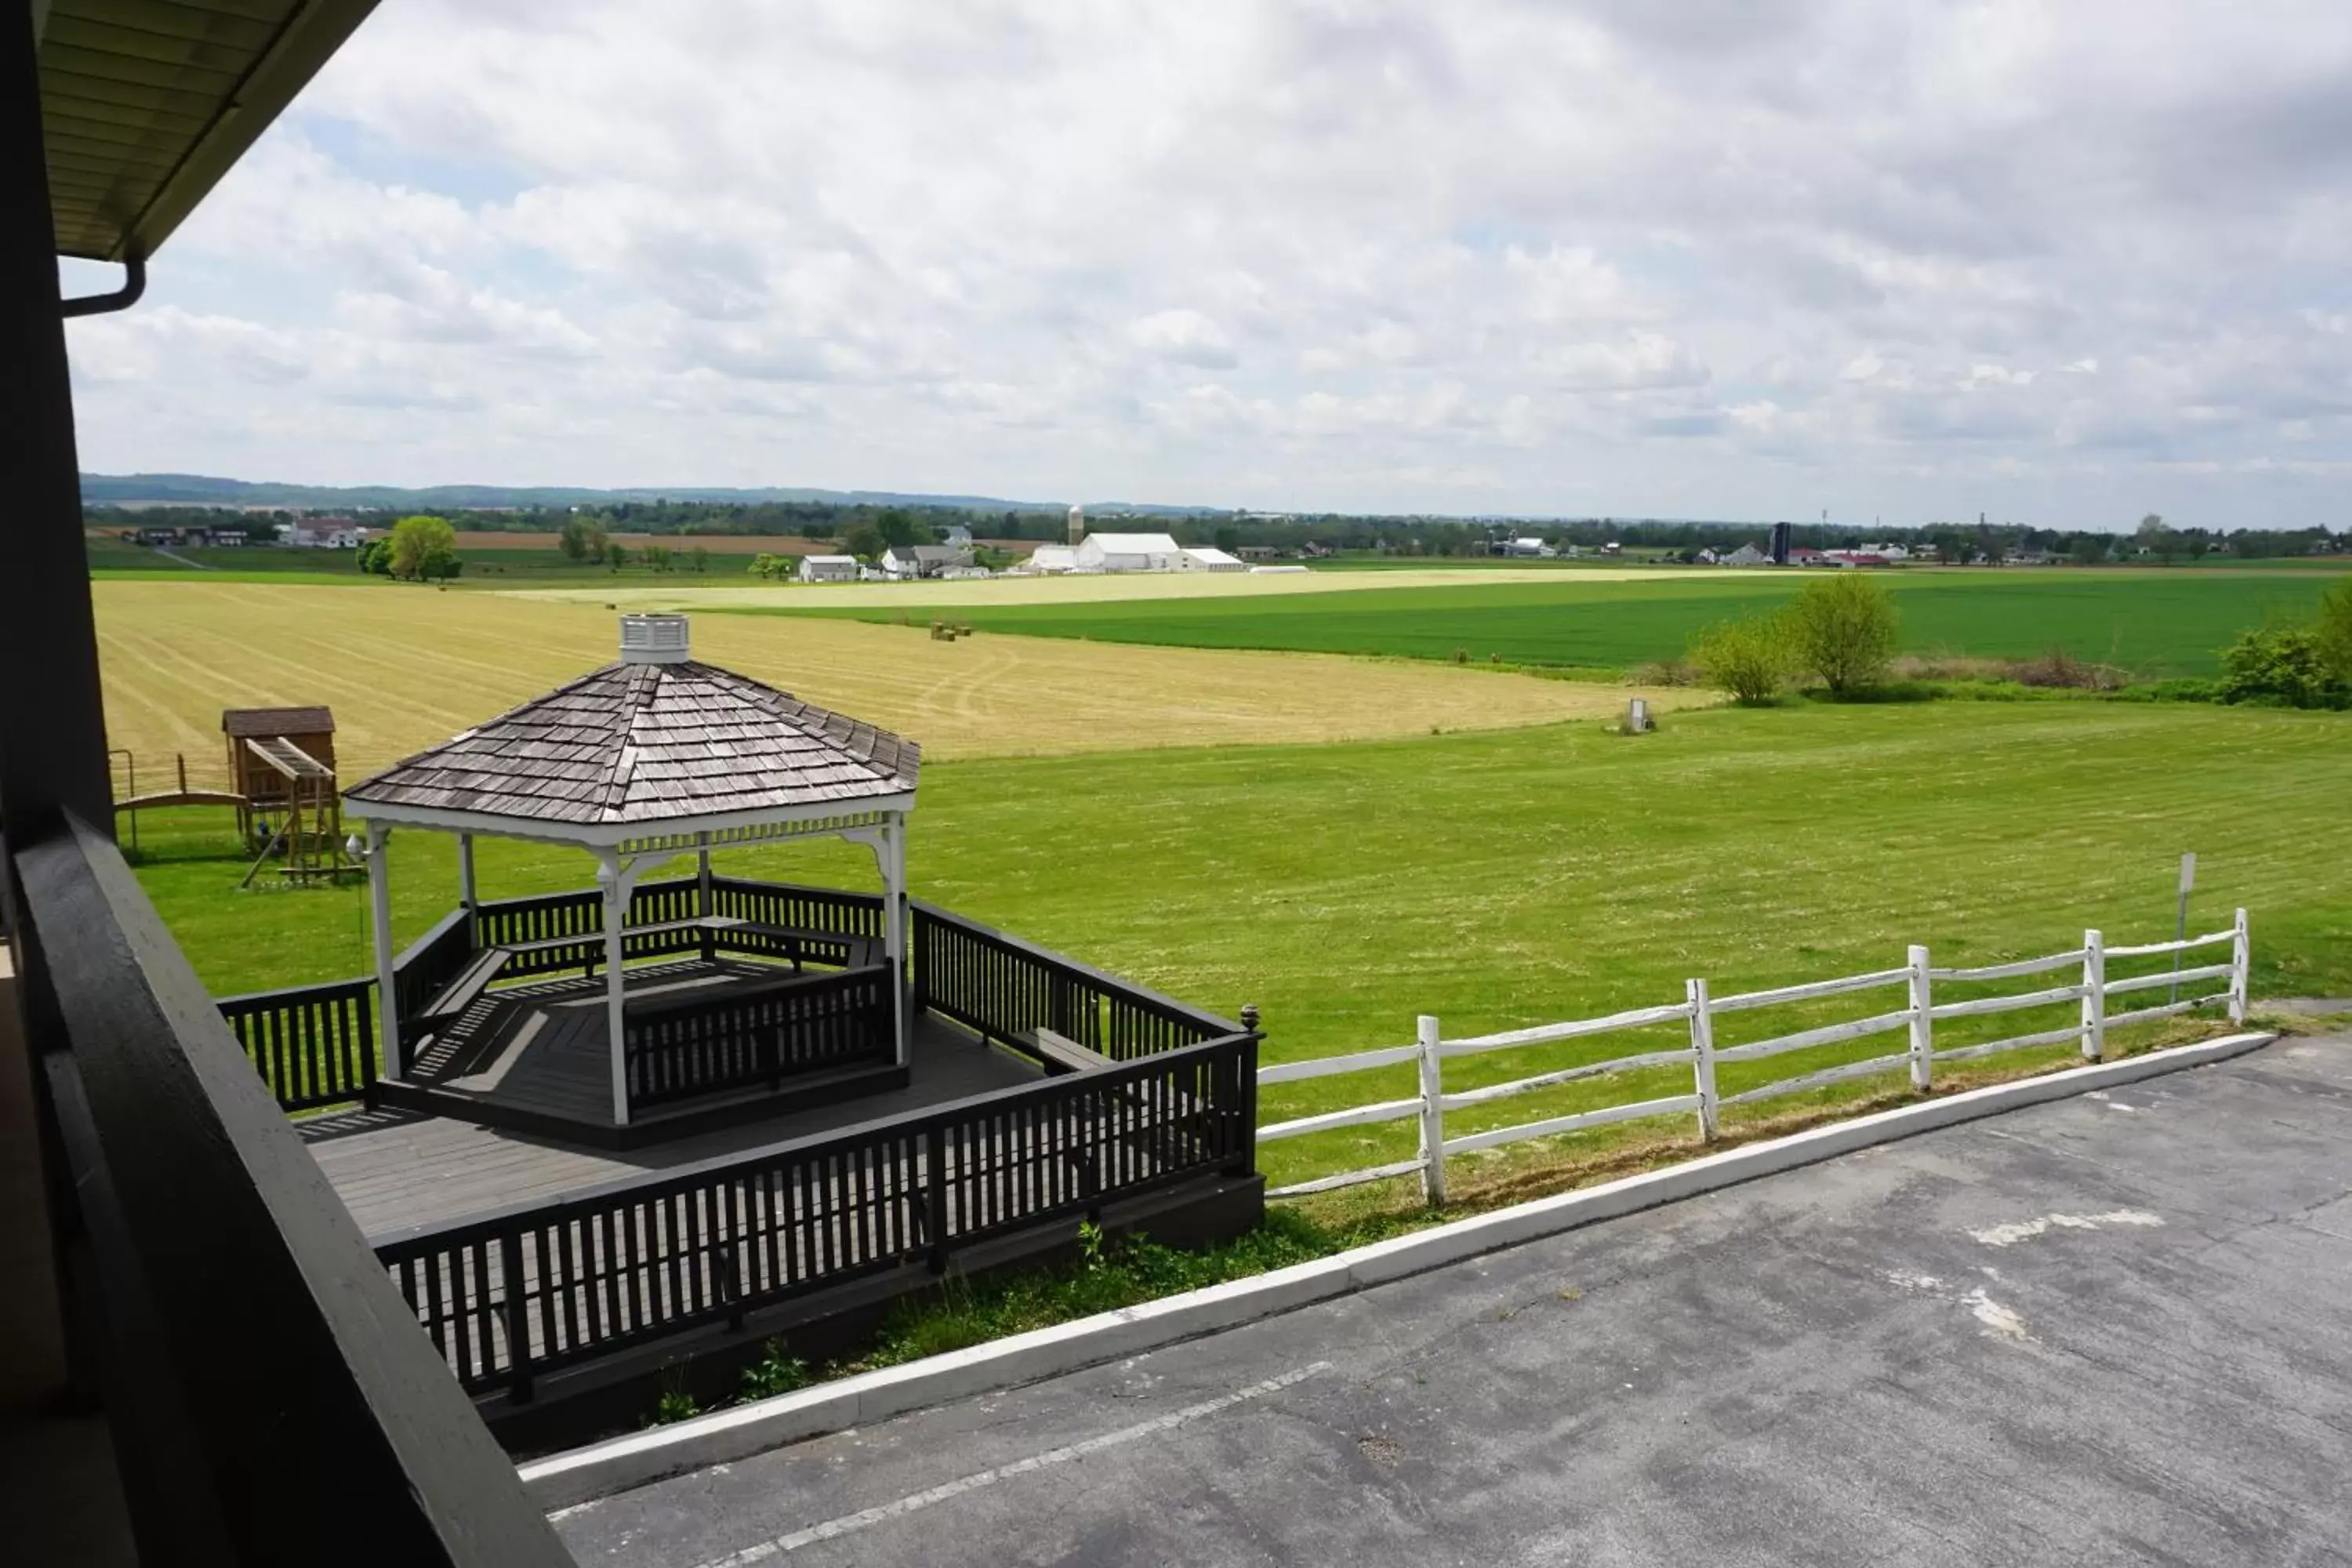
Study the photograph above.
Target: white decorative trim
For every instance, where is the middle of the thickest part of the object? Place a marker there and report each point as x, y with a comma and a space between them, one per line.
720, 830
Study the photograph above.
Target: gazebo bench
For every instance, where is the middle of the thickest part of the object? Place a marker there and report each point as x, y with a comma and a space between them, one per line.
858, 951
467, 987
1059, 1052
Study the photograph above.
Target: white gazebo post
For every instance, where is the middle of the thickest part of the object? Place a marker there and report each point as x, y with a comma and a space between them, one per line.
387, 1000
614, 877
467, 893
894, 927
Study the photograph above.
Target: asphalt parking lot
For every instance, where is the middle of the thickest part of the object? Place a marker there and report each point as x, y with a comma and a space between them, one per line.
2114, 1328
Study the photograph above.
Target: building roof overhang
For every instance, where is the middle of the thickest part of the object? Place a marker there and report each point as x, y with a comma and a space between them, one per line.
145, 104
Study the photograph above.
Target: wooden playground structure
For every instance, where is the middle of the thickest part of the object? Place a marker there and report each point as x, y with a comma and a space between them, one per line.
281, 772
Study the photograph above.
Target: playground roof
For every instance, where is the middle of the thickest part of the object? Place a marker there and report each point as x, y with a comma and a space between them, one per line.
239, 724
672, 744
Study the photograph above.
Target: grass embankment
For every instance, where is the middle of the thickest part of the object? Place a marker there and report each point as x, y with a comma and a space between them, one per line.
2154, 624
1507, 879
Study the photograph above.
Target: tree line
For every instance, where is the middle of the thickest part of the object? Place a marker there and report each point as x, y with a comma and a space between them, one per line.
859, 525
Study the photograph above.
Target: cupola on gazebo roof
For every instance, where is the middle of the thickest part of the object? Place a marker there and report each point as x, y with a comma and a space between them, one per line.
655, 744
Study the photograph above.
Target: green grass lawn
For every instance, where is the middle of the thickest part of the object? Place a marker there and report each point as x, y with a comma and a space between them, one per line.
2154, 623
1522, 877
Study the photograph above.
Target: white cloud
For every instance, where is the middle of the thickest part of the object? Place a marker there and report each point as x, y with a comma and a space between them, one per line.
1725, 258
1184, 337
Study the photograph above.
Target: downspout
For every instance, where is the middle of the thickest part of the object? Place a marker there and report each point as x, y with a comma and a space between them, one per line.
134, 283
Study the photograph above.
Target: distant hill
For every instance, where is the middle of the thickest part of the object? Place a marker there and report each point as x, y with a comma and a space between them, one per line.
202, 489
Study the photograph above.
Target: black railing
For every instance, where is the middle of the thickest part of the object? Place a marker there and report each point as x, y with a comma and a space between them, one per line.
266, 1389
802, 909
682, 1047
507, 1296
313, 1045
1004, 988
430, 964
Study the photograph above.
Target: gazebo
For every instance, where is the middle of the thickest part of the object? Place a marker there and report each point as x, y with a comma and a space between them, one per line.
637, 764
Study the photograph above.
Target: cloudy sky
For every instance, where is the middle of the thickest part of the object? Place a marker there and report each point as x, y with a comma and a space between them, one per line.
2061, 263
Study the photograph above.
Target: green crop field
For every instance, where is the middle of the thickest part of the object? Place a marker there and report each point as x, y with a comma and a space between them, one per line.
1525, 876
503, 565
2154, 623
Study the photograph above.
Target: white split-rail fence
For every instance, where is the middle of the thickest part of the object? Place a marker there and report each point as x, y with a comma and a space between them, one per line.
1917, 1017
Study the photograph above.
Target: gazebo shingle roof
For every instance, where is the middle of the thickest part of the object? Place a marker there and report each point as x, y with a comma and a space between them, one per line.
651, 743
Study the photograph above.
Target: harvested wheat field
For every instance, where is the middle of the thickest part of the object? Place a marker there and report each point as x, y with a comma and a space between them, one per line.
404, 668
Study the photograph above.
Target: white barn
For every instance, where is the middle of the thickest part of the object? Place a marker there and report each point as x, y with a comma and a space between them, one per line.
1129, 552
1213, 560
1051, 558
828, 569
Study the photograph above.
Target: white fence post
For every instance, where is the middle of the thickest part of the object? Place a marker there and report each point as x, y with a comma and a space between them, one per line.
2241, 956
1922, 1025
1701, 1039
2094, 996
1432, 1115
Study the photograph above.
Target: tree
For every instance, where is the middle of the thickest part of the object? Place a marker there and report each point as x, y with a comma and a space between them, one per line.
900, 528
374, 557
617, 554
417, 539
1748, 659
698, 558
1842, 629
654, 556
439, 564
2281, 667
1229, 539
865, 541
581, 541
2333, 631
2158, 538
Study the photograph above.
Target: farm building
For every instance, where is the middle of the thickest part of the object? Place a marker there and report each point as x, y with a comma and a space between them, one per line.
1129, 552
1050, 558
1213, 560
905, 561
828, 569
1746, 556
1527, 547
326, 533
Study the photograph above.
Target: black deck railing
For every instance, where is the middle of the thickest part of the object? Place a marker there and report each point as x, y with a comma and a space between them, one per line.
266, 1392
1004, 988
432, 962
313, 1045
508, 1296
685, 1046
802, 909
316, 1045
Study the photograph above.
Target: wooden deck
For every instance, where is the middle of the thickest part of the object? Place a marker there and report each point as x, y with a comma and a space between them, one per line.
396, 1169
